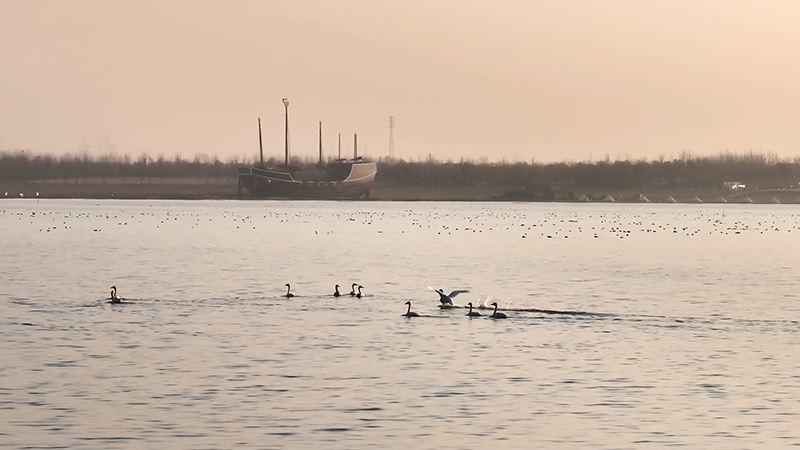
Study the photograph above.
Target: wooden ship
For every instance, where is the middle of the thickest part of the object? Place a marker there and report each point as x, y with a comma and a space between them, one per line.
340, 179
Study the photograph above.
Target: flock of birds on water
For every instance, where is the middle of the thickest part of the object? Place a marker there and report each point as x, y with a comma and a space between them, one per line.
507, 220
550, 225
446, 300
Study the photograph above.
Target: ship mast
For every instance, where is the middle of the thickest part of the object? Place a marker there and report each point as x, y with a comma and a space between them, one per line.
286, 137
320, 143
260, 147
355, 146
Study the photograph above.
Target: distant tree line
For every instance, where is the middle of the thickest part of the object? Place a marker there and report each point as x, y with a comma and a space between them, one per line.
767, 171
688, 171
23, 166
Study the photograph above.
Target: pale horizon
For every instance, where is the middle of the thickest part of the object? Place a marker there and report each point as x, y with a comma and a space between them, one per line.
512, 80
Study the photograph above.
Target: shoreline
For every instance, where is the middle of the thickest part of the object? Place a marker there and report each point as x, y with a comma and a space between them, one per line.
225, 189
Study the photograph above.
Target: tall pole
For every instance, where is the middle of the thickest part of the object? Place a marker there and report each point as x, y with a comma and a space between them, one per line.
286, 137
355, 146
260, 147
340, 146
391, 137
320, 142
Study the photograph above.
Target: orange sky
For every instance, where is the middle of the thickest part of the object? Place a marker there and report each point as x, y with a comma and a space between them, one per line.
506, 79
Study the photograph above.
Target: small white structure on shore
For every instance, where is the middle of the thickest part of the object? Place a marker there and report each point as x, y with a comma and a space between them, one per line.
670, 200
643, 199
609, 199
733, 185
773, 200
695, 199
583, 198
746, 200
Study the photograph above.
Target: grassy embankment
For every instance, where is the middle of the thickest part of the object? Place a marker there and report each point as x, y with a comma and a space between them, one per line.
226, 188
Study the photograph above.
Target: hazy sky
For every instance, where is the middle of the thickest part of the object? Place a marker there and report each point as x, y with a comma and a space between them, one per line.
515, 79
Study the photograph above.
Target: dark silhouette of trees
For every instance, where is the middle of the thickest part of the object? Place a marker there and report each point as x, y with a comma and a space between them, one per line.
703, 172
22, 166
764, 170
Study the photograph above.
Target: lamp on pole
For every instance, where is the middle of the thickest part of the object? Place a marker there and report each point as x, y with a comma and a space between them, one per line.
286, 136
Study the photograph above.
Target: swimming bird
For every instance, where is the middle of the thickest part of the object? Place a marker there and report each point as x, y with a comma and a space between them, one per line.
353, 289
114, 297
495, 314
288, 294
337, 293
472, 313
409, 313
359, 295
448, 299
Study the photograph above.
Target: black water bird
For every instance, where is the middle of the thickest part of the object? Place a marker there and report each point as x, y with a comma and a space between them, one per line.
353, 289
337, 293
410, 313
495, 314
359, 295
448, 299
114, 297
288, 293
472, 313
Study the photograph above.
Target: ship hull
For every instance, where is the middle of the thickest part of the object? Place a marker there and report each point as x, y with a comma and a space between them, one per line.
340, 181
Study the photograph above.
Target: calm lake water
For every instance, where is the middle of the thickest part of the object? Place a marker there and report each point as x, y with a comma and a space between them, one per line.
630, 326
